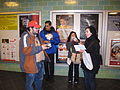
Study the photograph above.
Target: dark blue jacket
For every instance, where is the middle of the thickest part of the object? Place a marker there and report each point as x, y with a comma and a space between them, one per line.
54, 42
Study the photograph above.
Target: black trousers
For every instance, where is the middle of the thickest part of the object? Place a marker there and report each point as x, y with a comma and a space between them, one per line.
74, 67
49, 67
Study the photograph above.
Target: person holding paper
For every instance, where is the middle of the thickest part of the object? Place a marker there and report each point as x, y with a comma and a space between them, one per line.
52, 39
71, 41
32, 56
92, 47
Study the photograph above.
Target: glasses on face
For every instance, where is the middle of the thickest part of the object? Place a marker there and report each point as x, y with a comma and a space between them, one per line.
47, 25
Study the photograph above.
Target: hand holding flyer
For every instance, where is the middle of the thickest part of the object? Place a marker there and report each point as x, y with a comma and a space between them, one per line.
79, 47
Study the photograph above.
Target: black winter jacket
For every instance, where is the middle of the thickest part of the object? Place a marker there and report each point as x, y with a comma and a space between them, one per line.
92, 47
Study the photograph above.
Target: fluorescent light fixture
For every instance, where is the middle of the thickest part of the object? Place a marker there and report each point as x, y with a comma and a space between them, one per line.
70, 2
113, 13
11, 4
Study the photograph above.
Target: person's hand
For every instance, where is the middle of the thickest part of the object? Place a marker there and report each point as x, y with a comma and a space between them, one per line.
46, 41
45, 46
75, 40
81, 51
68, 61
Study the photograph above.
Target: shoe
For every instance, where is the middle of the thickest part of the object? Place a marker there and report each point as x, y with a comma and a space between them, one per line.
70, 81
76, 82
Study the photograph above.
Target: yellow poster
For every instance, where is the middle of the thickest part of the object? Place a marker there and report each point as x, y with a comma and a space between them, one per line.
8, 22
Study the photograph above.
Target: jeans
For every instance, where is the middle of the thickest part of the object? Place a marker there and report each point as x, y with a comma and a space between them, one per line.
90, 83
36, 78
74, 67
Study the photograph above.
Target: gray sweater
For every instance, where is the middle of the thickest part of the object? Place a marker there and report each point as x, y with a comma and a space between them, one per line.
70, 48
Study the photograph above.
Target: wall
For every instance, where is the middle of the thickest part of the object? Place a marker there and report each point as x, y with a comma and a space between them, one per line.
45, 6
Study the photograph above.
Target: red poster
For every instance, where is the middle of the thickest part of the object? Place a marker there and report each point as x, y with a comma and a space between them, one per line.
115, 52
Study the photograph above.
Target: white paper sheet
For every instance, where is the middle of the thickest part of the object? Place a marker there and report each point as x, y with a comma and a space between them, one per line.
79, 47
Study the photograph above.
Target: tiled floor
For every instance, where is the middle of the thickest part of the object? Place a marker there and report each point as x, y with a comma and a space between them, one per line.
16, 81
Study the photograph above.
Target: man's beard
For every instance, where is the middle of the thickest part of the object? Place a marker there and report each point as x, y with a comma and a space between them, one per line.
34, 33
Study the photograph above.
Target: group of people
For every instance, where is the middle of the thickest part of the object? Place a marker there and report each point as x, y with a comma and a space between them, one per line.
37, 51
93, 48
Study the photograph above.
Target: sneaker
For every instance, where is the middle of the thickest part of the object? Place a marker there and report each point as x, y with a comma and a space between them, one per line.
76, 82
70, 81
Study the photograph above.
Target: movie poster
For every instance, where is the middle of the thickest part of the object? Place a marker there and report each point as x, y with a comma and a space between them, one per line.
115, 52
62, 53
64, 25
23, 21
114, 22
88, 20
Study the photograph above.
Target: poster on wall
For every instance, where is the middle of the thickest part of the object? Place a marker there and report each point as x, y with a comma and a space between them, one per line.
114, 21
115, 52
24, 19
8, 22
64, 25
67, 21
5, 49
62, 53
8, 50
88, 20
113, 49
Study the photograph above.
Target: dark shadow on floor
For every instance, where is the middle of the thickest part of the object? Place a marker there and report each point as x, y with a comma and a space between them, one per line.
16, 81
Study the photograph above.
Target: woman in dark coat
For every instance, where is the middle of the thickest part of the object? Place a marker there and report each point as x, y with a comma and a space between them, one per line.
93, 48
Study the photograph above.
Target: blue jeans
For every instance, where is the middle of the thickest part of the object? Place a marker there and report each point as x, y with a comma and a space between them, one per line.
35, 78
90, 83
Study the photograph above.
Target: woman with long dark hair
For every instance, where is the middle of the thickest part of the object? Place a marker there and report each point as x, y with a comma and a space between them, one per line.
92, 47
71, 41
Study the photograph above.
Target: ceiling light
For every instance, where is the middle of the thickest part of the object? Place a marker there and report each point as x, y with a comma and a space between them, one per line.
70, 1
11, 4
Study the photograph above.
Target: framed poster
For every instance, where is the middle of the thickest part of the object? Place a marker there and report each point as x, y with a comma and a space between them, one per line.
10, 32
62, 53
66, 21
115, 52
113, 38
113, 21
88, 20
64, 25
113, 49
25, 18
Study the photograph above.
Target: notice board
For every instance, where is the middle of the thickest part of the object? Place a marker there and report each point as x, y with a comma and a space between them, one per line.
10, 33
